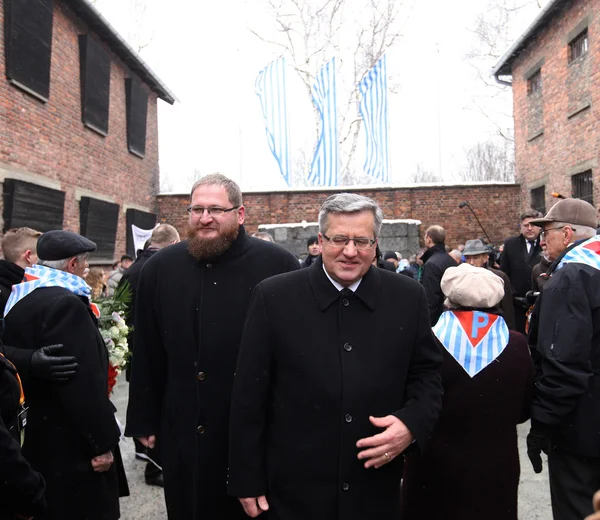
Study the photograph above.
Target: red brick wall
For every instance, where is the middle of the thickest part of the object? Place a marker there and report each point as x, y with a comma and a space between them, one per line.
497, 206
49, 139
568, 145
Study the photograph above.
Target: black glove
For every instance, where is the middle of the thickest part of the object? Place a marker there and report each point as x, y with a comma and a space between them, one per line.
47, 364
538, 440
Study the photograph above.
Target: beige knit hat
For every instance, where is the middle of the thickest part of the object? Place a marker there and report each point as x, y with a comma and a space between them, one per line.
468, 286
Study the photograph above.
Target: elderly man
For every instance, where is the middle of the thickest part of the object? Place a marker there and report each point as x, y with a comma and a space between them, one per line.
520, 254
190, 308
318, 428
565, 329
477, 254
71, 428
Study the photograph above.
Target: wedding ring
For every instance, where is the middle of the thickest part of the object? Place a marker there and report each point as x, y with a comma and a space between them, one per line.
386, 455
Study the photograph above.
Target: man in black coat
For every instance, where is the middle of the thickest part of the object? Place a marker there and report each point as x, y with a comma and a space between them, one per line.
71, 428
435, 262
318, 428
19, 250
162, 236
520, 254
565, 330
190, 308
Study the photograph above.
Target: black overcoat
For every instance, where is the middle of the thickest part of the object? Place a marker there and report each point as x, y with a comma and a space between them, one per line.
313, 366
68, 423
188, 323
517, 263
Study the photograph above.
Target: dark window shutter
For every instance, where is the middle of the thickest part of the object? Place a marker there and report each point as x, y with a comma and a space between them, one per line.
28, 42
94, 64
30, 205
98, 221
138, 218
137, 112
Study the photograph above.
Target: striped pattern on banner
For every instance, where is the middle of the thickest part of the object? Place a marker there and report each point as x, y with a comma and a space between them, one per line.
472, 356
325, 165
374, 113
587, 253
39, 276
271, 90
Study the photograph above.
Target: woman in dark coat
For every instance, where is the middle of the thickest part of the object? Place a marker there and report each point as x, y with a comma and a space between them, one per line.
470, 469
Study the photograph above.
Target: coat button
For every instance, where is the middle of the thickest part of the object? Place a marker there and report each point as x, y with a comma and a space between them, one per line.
348, 418
201, 376
345, 486
345, 302
347, 347
200, 429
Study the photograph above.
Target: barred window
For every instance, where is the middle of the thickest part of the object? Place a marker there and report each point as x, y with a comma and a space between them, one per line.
579, 46
534, 83
583, 186
538, 199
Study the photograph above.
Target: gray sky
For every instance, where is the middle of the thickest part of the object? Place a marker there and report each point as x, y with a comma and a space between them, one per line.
206, 55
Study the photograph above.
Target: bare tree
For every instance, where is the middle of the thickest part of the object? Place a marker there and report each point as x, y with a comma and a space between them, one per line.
311, 32
165, 183
490, 161
422, 174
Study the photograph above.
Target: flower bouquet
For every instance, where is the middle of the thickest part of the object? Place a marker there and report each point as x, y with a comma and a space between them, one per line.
114, 331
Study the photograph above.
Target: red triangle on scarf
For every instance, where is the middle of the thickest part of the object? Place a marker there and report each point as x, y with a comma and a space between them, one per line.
475, 324
593, 246
95, 309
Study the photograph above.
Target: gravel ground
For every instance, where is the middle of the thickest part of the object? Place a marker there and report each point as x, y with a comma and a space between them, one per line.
147, 502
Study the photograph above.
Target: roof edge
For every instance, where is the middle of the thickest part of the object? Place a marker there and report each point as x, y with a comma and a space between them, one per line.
504, 66
90, 14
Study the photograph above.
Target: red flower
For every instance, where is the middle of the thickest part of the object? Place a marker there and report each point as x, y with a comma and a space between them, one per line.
112, 378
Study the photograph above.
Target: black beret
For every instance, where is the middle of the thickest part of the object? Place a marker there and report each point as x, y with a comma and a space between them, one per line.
390, 254
59, 244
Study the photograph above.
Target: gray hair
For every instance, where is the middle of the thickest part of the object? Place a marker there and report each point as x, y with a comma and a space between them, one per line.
350, 203
579, 232
218, 179
61, 265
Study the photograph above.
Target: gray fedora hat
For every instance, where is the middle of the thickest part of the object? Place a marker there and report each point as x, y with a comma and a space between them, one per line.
475, 247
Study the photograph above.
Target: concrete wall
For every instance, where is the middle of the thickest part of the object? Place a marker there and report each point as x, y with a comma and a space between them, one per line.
401, 236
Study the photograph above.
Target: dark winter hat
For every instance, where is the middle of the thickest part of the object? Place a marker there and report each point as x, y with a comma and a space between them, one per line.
571, 211
59, 244
313, 239
390, 254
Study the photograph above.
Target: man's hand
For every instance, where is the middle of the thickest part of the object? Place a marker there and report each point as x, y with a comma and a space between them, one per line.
536, 443
596, 515
387, 445
47, 364
102, 462
148, 442
254, 506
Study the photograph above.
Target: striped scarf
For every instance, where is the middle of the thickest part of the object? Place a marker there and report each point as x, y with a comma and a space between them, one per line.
39, 276
474, 339
587, 253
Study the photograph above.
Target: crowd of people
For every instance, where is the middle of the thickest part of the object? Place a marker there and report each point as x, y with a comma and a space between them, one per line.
401, 402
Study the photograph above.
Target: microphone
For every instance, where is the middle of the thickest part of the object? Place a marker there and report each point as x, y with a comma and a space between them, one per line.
466, 204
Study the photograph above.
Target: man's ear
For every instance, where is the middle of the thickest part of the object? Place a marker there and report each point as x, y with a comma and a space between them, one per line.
27, 256
71, 264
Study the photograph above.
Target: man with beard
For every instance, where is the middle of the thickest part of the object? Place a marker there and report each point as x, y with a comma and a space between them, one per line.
190, 308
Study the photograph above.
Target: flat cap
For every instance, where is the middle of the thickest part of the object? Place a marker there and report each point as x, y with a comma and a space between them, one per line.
571, 211
58, 245
469, 286
475, 247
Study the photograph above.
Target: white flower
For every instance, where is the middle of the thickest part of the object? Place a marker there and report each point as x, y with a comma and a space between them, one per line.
114, 332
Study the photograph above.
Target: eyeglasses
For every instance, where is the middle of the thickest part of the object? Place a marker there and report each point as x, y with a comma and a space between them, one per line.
339, 241
543, 233
213, 211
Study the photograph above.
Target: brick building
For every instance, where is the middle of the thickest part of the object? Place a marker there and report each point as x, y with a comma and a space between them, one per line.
496, 205
78, 125
553, 70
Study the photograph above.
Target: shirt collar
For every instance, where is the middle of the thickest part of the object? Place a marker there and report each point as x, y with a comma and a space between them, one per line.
338, 285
